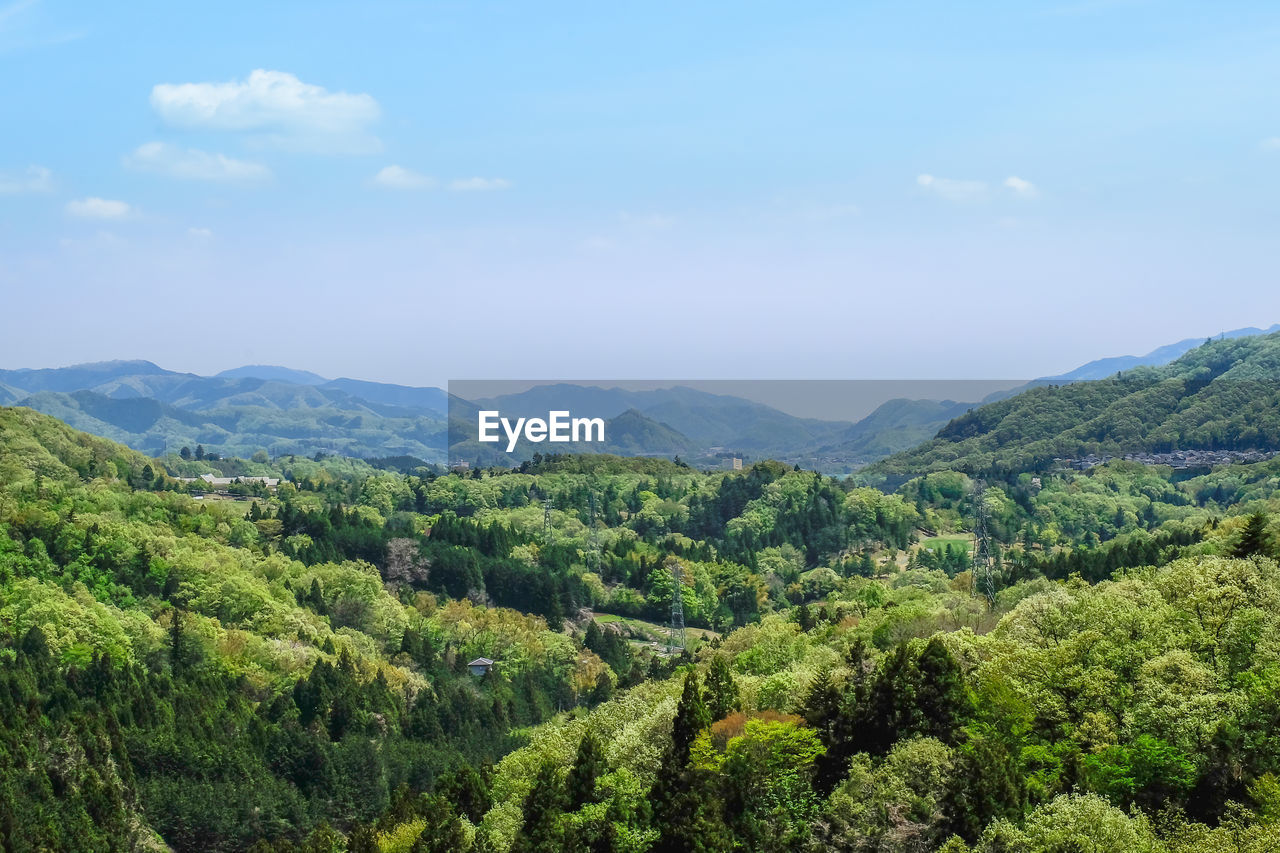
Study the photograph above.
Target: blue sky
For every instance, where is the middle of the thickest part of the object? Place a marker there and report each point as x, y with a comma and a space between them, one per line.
414, 192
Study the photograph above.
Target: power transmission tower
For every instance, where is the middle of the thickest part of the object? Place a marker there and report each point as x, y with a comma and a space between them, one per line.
984, 572
595, 535
548, 532
676, 639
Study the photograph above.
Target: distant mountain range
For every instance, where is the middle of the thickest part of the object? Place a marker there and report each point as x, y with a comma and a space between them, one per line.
697, 425
1104, 367
141, 404
288, 411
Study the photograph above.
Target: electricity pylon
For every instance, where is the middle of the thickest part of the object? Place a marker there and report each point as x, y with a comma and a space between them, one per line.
676, 638
595, 535
984, 571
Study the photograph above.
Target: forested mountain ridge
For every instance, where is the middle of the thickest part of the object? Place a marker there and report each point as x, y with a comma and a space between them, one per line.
288, 672
1223, 395
1103, 367
191, 683
286, 411
156, 410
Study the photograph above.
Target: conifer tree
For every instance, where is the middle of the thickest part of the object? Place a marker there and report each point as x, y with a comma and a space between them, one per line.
587, 767
692, 717
941, 694
542, 809
722, 689
1254, 538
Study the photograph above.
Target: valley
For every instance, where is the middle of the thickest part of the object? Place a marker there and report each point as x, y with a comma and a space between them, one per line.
294, 667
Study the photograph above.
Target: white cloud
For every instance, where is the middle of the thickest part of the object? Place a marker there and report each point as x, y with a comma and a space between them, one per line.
98, 208
276, 106
34, 179
952, 189
400, 178
191, 164
479, 184
1272, 144
1021, 187
200, 233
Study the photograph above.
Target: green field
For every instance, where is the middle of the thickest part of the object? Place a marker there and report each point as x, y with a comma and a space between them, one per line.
940, 543
653, 629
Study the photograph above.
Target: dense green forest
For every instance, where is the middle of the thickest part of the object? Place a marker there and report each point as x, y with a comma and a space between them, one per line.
286, 669
1224, 395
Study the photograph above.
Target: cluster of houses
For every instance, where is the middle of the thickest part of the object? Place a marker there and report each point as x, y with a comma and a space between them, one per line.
219, 484
1174, 459
269, 482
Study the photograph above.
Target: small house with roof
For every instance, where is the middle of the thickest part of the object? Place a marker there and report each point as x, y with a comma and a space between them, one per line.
480, 666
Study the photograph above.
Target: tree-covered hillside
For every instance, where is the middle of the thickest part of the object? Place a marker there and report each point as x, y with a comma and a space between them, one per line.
252, 668
170, 678
1223, 395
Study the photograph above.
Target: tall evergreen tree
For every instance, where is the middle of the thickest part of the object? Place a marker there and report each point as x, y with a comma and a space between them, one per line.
722, 689
986, 786
941, 693
443, 831
1254, 539
587, 767
825, 712
542, 809
692, 717
466, 788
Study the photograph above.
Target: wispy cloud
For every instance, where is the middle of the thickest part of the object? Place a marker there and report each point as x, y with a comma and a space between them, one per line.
479, 184
11, 25
277, 108
200, 233
14, 9
952, 189
34, 179
191, 164
1021, 187
99, 208
1272, 144
399, 178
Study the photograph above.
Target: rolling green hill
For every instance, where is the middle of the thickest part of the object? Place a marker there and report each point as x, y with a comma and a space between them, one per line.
290, 671
242, 429
1223, 395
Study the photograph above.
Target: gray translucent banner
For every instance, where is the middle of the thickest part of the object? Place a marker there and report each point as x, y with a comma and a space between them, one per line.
834, 426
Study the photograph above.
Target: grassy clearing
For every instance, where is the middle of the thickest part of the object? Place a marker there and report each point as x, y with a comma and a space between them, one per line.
653, 629
940, 543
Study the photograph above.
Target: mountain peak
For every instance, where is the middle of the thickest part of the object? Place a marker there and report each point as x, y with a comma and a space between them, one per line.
273, 373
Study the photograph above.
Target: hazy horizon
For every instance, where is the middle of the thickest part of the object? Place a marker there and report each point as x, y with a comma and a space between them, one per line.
415, 193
